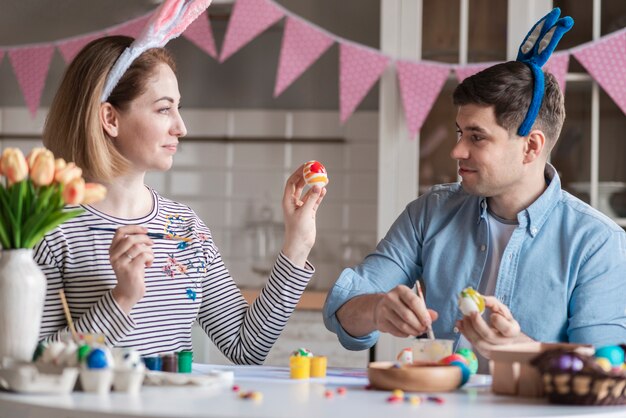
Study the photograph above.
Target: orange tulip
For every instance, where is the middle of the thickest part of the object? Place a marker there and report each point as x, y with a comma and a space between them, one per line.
42, 168
33, 154
68, 173
13, 165
59, 164
74, 191
94, 192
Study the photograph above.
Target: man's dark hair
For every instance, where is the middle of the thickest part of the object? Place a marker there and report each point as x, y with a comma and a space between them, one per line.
508, 87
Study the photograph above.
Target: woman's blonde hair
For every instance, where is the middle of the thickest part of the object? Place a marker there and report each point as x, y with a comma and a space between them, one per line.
73, 130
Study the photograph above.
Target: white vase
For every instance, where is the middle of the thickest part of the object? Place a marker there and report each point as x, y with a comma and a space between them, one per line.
22, 295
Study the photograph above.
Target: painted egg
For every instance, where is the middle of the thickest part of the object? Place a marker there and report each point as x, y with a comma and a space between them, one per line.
465, 371
567, 362
405, 356
471, 358
315, 174
613, 353
454, 357
97, 359
605, 364
302, 352
471, 301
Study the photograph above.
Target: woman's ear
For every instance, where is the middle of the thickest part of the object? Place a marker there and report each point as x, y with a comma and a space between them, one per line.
109, 119
535, 143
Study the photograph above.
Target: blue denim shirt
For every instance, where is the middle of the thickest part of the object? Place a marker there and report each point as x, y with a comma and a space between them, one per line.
562, 274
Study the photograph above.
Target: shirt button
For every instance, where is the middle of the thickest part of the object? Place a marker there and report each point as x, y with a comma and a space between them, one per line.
510, 256
534, 230
483, 247
456, 330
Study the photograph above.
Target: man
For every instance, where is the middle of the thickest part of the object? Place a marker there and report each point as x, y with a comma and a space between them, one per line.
552, 267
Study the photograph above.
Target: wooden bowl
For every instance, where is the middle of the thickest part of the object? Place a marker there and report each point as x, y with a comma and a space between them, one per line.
414, 378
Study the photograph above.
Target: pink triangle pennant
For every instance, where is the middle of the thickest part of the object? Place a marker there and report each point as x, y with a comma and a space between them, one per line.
69, 49
199, 32
557, 65
302, 45
359, 69
420, 84
605, 60
468, 70
31, 67
248, 20
132, 28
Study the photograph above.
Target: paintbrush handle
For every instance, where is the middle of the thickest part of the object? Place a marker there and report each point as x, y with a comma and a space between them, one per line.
156, 235
429, 331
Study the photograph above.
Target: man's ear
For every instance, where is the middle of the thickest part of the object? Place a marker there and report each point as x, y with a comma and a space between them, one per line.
535, 143
109, 119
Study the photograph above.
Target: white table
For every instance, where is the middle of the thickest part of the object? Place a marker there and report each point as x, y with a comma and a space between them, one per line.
283, 397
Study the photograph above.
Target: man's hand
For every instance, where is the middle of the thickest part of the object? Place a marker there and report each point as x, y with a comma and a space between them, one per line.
402, 313
503, 328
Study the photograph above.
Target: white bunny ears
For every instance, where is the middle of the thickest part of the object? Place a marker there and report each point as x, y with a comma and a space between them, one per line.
168, 21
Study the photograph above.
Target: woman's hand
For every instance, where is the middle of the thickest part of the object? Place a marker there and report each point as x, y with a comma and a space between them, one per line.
130, 253
299, 213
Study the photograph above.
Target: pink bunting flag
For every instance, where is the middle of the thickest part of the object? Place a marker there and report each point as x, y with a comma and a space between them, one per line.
69, 49
302, 45
420, 84
248, 20
605, 60
468, 70
359, 70
200, 34
557, 65
31, 67
132, 28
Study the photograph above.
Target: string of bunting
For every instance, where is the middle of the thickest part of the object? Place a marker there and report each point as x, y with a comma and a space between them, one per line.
303, 43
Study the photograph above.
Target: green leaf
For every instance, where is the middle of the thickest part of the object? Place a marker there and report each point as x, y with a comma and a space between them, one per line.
52, 221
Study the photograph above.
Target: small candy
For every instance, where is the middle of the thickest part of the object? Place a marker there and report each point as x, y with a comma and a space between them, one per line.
613, 353
471, 301
415, 400
395, 399
397, 392
471, 358
315, 174
236, 388
341, 390
328, 394
465, 371
435, 399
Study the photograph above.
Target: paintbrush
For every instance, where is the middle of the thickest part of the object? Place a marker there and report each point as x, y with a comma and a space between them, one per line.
68, 316
429, 330
155, 235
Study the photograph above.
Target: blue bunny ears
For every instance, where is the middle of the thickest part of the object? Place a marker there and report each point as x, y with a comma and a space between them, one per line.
535, 51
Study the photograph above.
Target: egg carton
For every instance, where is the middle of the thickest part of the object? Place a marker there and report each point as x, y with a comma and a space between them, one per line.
25, 377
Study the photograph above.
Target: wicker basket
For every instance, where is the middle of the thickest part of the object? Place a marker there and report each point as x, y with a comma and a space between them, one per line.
588, 385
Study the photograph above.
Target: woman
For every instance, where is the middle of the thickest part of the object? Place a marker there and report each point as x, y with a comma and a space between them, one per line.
144, 292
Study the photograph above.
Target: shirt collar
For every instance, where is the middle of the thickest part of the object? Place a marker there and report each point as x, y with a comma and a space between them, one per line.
534, 216
537, 213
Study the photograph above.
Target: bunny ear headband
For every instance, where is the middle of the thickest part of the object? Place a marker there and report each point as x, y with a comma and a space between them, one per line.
169, 20
535, 51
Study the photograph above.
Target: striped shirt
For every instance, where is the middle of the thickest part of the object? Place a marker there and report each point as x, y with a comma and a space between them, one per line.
187, 282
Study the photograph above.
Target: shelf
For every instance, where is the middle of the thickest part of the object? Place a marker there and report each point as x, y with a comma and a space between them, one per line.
311, 300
